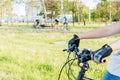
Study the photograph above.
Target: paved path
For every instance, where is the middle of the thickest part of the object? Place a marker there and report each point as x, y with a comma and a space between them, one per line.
45, 29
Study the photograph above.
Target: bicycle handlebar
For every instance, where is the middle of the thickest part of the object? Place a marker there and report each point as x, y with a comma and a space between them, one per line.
83, 57
86, 52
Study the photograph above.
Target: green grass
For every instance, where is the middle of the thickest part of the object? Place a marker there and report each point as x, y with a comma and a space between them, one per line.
37, 55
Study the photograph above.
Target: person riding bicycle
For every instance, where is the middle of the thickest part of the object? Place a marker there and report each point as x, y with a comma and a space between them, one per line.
113, 66
65, 23
56, 23
42, 22
36, 24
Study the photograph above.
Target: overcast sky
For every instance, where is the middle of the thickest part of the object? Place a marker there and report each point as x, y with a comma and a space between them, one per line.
19, 9
91, 3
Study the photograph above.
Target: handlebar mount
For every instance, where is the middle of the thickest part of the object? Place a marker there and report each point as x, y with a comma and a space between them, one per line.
82, 63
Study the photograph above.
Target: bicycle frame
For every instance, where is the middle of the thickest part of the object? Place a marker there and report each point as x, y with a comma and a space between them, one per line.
84, 68
83, 65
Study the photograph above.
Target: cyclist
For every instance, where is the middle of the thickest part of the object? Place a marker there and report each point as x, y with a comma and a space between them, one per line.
56, 23
113, 66
65, 23
42, 23
36, 24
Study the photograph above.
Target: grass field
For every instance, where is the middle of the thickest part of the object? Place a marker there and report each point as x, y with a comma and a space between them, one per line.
37, 54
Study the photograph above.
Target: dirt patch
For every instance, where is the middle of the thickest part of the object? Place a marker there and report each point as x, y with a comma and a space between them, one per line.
59, 42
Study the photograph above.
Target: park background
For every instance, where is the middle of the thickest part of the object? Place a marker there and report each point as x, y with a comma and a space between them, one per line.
36, 54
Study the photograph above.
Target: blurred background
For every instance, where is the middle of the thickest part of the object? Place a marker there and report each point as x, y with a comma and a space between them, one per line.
80, 11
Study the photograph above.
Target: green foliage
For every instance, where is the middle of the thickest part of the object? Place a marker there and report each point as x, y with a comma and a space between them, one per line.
94, 15
116, 11
78, 9
103, 10
53, 7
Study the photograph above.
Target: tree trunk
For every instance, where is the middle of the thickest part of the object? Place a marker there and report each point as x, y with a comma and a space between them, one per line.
45, 12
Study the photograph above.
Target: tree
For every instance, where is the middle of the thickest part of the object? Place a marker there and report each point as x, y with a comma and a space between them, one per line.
1, 10
108, 11
78, 10
103, 11
82, 11
73, 9
95, 15
44, 10
53, 7
116, 14
5, 8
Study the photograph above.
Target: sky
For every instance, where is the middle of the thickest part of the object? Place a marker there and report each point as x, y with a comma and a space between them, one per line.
19, 9
91, 3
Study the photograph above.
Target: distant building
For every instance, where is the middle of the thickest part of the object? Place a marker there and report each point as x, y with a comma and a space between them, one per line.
68, 16
23, 12
32, 12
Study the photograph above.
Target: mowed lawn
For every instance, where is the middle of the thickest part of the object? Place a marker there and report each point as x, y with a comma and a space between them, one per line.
37, 54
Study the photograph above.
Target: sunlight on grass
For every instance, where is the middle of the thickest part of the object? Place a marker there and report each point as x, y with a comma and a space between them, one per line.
35, 55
